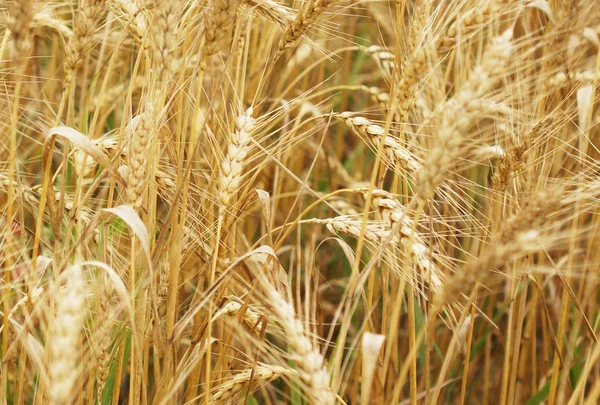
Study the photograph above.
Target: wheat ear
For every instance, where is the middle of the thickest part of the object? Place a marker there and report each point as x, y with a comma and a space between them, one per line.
233, 163
85, 26
66, 332
104, 339
400, 157
129, 11
517, 236
414, 66
311, 364
19, 24
375, 234
272, 11
303, 21
456, 115
219, 23
164, 42
261, 374
139, 133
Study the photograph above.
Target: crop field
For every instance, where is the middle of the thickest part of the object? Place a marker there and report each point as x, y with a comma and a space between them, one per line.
318, 202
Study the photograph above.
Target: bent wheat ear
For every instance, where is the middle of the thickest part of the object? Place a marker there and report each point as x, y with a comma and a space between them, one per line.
263, 373
400, 157
428, 272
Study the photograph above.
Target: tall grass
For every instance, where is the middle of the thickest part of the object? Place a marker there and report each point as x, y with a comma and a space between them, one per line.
299, 202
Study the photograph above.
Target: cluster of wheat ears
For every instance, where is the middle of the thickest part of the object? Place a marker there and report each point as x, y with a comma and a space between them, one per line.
312, 202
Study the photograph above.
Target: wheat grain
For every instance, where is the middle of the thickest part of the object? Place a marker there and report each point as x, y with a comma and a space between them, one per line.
384, 58
233, 308
378, 95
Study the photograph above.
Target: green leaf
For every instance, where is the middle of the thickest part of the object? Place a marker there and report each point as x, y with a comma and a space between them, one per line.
540, 396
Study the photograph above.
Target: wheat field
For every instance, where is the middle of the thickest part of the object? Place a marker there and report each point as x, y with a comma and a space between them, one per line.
312, 202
